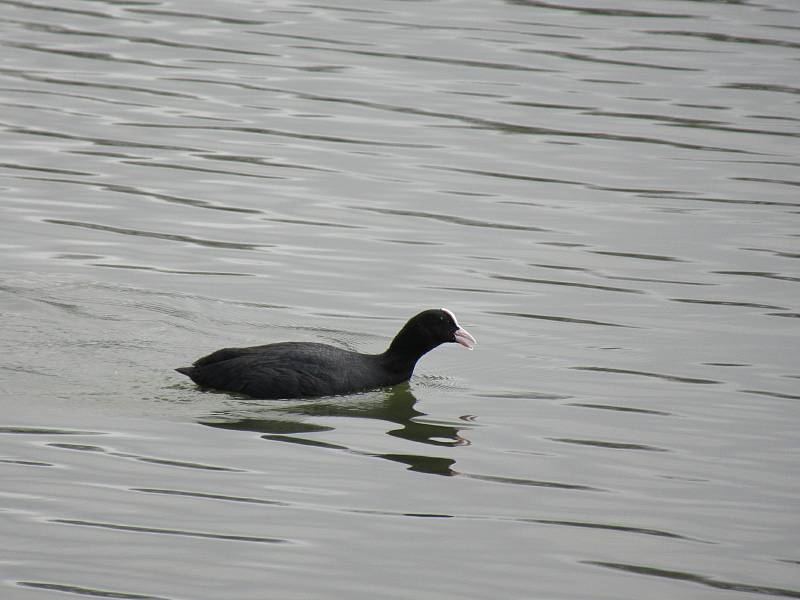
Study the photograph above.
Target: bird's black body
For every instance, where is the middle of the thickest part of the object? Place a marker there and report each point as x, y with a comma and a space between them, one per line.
307, 369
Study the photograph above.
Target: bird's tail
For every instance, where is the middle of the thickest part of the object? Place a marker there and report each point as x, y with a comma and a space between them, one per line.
185, 370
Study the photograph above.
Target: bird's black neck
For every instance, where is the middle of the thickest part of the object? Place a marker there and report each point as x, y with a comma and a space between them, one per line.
407, 348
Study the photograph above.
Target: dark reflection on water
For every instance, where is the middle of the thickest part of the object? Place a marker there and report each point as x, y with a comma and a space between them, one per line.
395, 405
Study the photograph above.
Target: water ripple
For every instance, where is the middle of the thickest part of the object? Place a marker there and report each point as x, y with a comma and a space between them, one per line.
45, 169
84, 591
59, 9
611, 527
207, 496
64, 30
603, 288
173, 237
674, 378
180, 532
727, 37
27, 463
696, 578
145, 459
48, 431
318, 137
448, 218
639, 256
457, 62
170, 198
149, 91
595, 59
97, 141
630, 409
763, 274
195, 15
532, 483
178, 167
601, 11
610, 445
727, 303
155, 269
559, 319
762, 87
104, 56
772, 394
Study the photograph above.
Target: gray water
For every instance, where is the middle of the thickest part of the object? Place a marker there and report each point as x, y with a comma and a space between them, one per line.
606, 194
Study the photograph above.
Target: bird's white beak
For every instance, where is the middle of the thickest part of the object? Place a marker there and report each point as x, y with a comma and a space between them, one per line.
465, 338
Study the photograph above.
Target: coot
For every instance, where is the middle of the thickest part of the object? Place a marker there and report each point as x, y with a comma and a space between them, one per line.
307, 369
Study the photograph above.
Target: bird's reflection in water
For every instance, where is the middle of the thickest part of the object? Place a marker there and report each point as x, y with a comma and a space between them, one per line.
282, 422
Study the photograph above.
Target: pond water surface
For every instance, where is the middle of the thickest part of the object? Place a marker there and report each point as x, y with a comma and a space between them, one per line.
606, 194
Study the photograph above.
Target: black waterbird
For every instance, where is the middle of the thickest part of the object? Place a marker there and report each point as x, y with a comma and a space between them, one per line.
309, 369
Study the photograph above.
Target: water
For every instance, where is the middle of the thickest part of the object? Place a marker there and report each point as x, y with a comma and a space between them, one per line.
605, 195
